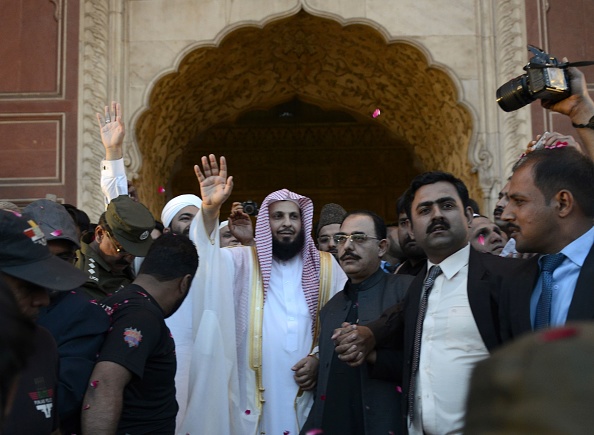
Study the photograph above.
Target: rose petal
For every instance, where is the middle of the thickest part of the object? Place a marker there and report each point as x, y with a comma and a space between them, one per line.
87, 406
481, 239
94, 383
376, 113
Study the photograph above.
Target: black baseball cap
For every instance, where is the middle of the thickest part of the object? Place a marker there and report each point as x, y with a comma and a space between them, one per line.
24, 254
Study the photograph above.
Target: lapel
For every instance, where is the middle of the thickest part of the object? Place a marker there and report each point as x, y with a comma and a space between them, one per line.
480, 287
582, 303
521, 285
411, 310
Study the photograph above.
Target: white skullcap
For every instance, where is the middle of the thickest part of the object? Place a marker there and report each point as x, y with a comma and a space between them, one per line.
223, 224
175, 205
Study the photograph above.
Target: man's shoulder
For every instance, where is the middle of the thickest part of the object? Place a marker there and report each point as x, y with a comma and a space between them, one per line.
496, 264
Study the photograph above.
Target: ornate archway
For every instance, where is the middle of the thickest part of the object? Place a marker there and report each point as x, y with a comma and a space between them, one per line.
349, 68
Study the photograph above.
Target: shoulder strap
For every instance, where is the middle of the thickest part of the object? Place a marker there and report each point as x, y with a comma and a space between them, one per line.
255, 326
324, 291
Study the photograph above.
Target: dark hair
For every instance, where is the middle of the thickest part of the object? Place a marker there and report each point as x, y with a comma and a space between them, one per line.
103, 221
159, 226
474, 206
170, 257
80, 218
563, 168
378, 223
16, 342
401, 204
432, 178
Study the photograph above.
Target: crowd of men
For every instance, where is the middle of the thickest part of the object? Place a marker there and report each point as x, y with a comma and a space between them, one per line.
348, 326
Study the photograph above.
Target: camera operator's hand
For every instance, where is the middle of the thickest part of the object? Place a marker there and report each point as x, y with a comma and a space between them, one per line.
240, 225
578, 106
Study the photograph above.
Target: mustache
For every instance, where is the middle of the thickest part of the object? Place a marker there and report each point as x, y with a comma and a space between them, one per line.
348, 255
436, 224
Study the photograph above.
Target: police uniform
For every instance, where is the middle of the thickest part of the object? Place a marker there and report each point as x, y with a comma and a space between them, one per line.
102, 280
131, 224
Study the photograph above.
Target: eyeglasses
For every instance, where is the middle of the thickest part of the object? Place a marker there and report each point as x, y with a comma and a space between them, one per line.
115, 244
340, 239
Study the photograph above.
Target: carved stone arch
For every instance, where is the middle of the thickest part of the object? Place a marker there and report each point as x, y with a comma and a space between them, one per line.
351, 68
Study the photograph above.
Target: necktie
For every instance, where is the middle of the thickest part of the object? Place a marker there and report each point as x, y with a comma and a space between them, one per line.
543, 308
434, 272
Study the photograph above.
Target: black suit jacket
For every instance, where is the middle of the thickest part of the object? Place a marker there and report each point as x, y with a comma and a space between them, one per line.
485, 273
514, 303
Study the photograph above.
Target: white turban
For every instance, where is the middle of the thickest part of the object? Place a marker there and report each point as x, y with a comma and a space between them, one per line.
223, 224
175, 205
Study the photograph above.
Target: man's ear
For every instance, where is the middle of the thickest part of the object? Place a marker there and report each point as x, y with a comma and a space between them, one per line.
99, 232
166, 230
383, 247
565, 202
469, 215
184, 284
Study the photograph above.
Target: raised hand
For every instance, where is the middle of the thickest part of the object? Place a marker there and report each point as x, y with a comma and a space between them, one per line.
112, 131
215, 186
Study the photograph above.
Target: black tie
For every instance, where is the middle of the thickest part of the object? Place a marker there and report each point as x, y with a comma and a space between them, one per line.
434, 272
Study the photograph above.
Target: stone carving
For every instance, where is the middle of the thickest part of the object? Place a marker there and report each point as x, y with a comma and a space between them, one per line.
321, 62
511, 57
93, 96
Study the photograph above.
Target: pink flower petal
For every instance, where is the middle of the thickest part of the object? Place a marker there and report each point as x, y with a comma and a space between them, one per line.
87, 406
161, 189
481, 239
376, 113
94, 383
248, 412
314, 432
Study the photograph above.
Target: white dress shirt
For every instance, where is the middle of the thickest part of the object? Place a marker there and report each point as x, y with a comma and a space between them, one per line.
451, 345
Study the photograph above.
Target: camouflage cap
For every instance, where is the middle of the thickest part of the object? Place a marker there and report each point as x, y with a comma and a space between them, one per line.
131, 224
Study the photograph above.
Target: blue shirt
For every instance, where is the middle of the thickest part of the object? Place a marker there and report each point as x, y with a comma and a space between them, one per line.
564, 279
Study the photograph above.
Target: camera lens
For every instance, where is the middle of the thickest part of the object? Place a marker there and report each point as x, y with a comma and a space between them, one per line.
514, 94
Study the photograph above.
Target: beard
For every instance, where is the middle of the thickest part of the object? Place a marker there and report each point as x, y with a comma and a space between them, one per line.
286, 250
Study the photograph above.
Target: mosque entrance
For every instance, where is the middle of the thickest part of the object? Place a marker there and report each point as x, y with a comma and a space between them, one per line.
292, 105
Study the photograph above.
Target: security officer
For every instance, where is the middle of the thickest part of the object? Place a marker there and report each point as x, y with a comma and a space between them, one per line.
123, 233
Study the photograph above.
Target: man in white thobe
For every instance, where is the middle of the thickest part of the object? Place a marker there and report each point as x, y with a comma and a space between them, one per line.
255, 315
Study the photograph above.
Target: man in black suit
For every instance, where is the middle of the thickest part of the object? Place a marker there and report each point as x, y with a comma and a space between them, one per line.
347, 400
552, 209
458, 326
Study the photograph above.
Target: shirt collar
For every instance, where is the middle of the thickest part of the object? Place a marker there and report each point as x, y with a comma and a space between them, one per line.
365, 284
452, 264
578, 250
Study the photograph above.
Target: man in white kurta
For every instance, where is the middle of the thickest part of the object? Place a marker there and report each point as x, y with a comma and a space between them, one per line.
254, 314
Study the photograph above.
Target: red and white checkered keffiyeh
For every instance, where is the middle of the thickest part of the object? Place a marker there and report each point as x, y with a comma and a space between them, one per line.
310, 279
